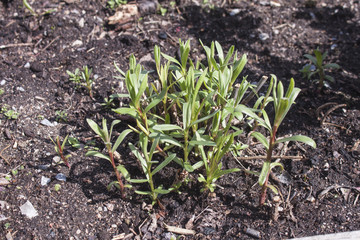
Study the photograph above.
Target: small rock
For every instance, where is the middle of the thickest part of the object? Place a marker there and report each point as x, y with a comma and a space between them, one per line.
253, 233
333, 46
45, 181
46, 122
28, 210
263, 36
4, 205
148, 7
110, 206
81, 23
56, 159
235, 11
35, 67
43, 167
336, 155
27, 65
60, 177
162, 35
4, 181
2, 217
77, 43
2, 83
78, 231
21, 89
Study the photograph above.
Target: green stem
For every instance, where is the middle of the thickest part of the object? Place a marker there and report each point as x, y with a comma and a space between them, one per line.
268, 160
118, 175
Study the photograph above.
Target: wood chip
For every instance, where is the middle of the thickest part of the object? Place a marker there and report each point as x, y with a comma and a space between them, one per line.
181, 231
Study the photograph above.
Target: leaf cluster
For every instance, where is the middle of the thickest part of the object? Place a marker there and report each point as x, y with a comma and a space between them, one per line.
82, 78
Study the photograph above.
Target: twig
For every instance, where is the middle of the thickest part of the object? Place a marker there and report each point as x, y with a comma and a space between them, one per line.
16, 45
3, 156
264, 157
323, 106
330, 111
50, 44
333, 124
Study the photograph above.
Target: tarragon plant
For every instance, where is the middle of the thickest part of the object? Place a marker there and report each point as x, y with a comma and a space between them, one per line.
82, 78
59, 148
105, 136
317, 67
282, 104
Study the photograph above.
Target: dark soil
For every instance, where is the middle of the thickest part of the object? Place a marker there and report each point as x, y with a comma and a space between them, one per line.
321, 191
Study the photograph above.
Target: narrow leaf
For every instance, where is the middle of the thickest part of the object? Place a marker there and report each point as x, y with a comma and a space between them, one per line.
97, 154
261, 138
164, 163
121, 137
298, 138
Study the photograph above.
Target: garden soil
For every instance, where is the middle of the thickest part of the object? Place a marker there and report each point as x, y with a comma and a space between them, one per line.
319, 188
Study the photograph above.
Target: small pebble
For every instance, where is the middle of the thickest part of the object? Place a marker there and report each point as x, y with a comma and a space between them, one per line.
333, 46
43, 167
60, 177
27, 65
56, 159
235, 11
46, 122
162, 35
2, 83
252, 232
45, 181
77, 43
28, 210
35, 67
81, 23
21, 89
263, 36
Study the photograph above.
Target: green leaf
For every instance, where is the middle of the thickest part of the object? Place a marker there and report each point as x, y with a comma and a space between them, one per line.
204, 118
311, 58
276, 164
166, 127
264, 173
64, 142
97, 154
261, 138
197, 165
273, 188
94, 127
331, 65
171, 59
202, 143
129, 111
166, 138
156, 101
164, 163
161, 191
119, 140
143, 192
330, 78
298, 138
138, 180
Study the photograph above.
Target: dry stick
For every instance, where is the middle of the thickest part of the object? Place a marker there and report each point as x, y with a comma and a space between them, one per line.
273, 157
317, 112
3, 156
16, 45
330, 111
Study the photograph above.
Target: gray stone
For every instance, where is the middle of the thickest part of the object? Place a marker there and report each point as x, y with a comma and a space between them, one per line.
28, 210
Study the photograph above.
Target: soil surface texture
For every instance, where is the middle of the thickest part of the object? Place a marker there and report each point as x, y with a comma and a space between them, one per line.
319, 188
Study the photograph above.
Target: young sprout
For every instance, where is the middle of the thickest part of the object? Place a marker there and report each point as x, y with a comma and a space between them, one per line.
105, 136
318, 68
59, 148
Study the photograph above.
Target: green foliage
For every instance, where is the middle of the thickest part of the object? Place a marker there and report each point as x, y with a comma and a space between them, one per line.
57, 187
282, 104
185, 115
61, 116
59, 148
105, 136
82, 79
115, 3
318, 68
9, 113
2, 91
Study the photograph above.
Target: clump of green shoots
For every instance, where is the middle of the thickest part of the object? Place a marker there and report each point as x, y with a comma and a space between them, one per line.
82, 79
186, 116
317, 67
115, 3
59, 148
61, 116
9, 113
105, 136
282, 104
